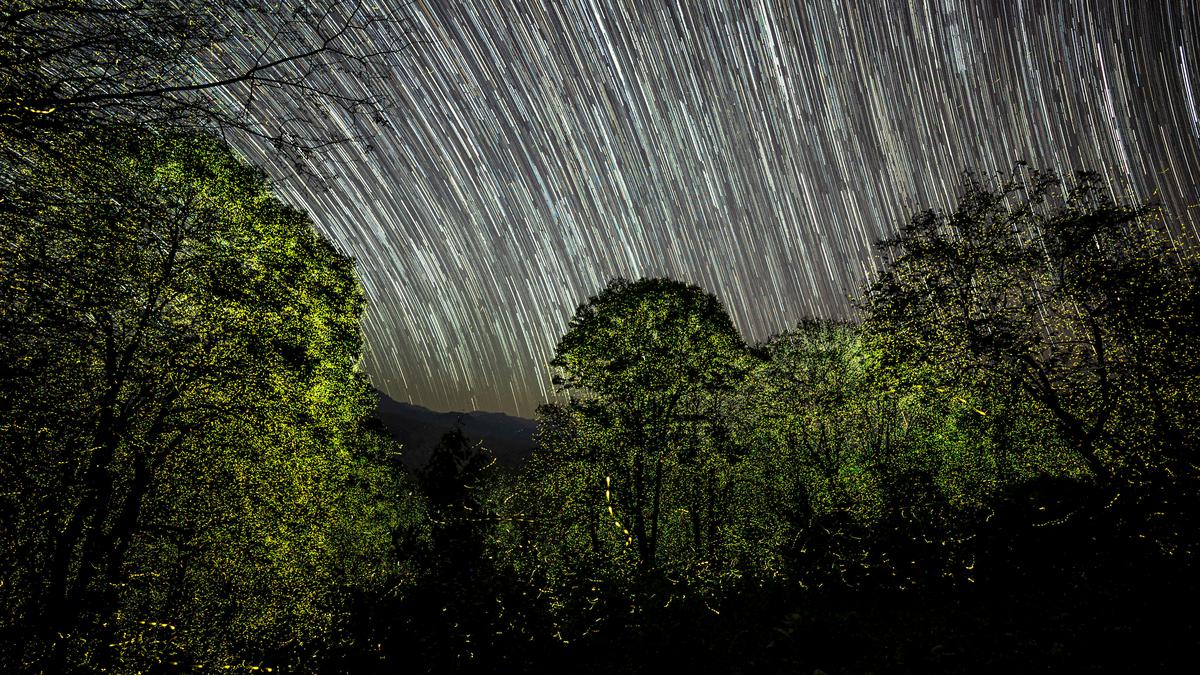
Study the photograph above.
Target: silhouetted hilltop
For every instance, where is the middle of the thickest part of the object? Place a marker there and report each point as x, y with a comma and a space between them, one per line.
418, 429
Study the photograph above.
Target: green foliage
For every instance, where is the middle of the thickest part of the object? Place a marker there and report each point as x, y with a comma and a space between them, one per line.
188, 472
628, 499
189, 477
648, 342
694, 491
1083, 303
1029, 342
837, 458
849, 460
646, 363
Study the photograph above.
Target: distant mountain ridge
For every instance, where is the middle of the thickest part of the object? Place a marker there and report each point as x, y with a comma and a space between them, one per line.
418, 429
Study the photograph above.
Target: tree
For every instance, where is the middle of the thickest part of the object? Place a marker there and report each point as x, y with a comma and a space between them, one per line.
456, 604
842, 463
452, 483
180, 63
646, 363
1053, 287
186, 469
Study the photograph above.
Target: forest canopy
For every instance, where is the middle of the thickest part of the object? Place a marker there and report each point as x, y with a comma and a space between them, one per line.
192, 474
1012, 415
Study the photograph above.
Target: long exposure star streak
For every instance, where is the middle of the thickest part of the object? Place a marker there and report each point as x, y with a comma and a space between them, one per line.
757, 149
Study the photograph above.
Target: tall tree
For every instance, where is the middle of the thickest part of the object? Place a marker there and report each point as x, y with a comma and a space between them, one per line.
1085, 303
184, 442
646, 363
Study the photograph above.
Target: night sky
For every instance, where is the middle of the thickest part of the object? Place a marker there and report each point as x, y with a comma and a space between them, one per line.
758, 149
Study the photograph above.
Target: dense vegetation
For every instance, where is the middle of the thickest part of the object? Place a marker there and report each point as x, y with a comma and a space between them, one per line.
993, 469
188, 465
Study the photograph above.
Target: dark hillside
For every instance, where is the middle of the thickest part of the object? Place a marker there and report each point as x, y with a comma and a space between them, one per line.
419, 429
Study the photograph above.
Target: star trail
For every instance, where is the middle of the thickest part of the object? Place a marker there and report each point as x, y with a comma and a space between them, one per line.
533, 150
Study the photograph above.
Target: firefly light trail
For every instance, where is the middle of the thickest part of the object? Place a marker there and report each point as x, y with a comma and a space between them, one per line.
758, 149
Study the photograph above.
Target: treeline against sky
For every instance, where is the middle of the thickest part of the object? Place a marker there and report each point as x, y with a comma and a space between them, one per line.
994, 468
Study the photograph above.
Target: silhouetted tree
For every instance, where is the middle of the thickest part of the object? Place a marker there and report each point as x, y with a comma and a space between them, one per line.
459, 598
450, 482
170, 63
1085, 303
1071, 306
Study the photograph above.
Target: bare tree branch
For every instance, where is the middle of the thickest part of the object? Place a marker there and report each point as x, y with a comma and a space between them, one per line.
187, 63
